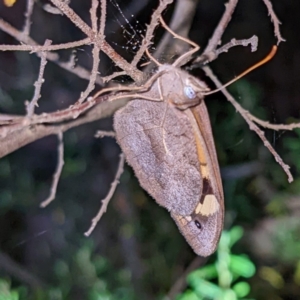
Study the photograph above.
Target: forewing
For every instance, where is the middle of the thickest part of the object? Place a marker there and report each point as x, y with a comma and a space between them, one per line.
203, 227
158, 143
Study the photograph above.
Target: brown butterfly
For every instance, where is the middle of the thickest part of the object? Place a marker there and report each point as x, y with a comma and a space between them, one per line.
170, 146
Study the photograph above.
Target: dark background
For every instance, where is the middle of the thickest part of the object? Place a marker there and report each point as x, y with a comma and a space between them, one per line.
136, 248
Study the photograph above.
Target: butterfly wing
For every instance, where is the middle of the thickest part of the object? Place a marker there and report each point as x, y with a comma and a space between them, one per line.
202, 228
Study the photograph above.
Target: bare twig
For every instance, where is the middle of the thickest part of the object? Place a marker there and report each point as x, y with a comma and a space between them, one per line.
217, 35
76, 20
75, 111
94, 18
30, 133
93, 76
253, 41
275, 21
38, 84
251, 124
102, 133
21, 131
96, 49
28, 13
59, 167
113, 75
102, 19
33, 48
130, 69
51, 9
269, 125
150, 30
106, 200
210, 54
134, 73
209, 57
18, 35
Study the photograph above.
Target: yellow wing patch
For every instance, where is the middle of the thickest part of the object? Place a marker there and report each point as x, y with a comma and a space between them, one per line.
209, 206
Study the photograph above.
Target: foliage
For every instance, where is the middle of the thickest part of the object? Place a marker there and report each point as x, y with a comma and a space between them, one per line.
89, 273
222, 279
6, 293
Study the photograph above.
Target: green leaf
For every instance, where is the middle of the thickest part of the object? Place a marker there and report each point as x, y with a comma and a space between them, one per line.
205, 288
228, 295
236, 234
188, 295
241, 289
241, 265
206, 272
14, 295
6, 293
224, 242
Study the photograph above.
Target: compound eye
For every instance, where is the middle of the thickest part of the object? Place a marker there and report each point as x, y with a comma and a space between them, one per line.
189, 92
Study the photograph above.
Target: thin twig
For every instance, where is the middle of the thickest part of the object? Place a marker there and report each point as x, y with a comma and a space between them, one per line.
51, 9
275, 21
251, 124
54, 57
102, 133
38, 84
253, 41
59, 167
72, 112
217, 35
209, 57
28, 13
76, 20
93, 76
38, 48
96, 49
113, 75
150, 30
209, 54
94, 18
269, 125
134, 73
106, 200
102, 19
11, 140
